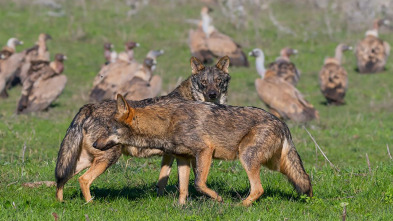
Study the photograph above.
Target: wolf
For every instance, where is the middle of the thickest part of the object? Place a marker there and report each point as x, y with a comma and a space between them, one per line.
95, 120
204, 131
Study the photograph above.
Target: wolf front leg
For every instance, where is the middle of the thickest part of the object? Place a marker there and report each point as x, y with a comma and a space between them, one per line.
166, 164
203, 163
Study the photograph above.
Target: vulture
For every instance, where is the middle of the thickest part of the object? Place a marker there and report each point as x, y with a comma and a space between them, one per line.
119, 66
39, 52
284, 68
142, 85
333, 79
281, 97
44, 84
207, 43
372, 52
10, 64
110, 55
128, 54
9, 49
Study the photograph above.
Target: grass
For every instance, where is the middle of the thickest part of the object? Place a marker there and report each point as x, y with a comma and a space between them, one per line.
127, 189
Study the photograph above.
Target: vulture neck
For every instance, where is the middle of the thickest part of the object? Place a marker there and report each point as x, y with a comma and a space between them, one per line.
107, 54
338, 54
372, 32
57, 66
130, 53
11, 44
206, 27
42, 50
260, 65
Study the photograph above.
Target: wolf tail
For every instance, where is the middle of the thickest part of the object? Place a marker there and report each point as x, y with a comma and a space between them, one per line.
291, 165
69, 152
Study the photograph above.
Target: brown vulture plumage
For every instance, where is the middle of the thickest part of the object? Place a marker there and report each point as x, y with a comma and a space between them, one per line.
44, 84
372, 52
281, 97
207, 43
10, 64
284, 68
333, 79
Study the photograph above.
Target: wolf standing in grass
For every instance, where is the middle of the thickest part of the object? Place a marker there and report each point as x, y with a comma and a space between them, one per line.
96, 120
206, 131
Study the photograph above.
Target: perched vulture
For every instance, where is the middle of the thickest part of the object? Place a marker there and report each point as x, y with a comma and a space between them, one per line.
284, 68
110, 78
372, 52
143, 85
281, 97
43, 85
333, 79
110, 75
9, 49
110, 55
10, 64
128, 54
39, 52
207, 43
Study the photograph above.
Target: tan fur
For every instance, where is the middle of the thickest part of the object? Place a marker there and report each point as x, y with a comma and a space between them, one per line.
284, 99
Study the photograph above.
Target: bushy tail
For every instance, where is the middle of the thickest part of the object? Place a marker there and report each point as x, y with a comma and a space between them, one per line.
69, 152
292, 166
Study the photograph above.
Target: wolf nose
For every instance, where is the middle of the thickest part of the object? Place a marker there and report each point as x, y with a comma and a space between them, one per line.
212, 95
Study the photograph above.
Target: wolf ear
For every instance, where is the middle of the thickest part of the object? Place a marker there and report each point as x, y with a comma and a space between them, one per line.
123, 110
196, 65
223, 64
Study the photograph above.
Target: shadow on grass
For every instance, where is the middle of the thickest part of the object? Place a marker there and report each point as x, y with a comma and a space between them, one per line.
138, 192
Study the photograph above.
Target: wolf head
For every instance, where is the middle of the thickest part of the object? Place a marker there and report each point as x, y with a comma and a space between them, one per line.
210, 84
119, 131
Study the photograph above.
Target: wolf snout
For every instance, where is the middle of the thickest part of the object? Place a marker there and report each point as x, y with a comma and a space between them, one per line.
212, 95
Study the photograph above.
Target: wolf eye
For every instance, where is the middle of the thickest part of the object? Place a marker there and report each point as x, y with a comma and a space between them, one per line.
218, 80
204, 82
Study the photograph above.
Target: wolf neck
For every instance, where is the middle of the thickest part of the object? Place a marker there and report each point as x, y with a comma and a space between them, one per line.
149, 129
184, 90
260, 65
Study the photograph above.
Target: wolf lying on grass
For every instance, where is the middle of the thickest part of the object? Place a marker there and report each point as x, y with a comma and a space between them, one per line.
205, 131
95, 120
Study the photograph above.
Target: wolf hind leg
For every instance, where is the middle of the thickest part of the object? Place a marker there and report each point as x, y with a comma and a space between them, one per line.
203, 163
96, 169
83, 162
166, 164
252, 167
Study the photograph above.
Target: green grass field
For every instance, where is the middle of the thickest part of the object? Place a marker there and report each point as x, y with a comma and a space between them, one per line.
127, 190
